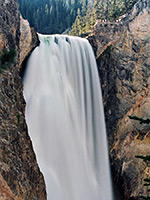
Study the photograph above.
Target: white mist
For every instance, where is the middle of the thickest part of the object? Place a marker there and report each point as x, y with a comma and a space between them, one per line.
65, 118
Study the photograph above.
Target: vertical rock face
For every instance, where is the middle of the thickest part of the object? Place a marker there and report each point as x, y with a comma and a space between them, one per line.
123, 57
5, 192
28, 39
9, 29
20, 177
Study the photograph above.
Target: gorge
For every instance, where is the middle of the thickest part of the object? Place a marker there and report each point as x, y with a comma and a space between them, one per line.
122, 51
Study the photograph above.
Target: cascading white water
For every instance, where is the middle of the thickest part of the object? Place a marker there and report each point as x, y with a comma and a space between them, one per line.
65, 118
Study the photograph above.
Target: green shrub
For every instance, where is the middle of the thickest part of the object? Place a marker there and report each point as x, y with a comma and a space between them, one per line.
18, 117
144, 158
7, 58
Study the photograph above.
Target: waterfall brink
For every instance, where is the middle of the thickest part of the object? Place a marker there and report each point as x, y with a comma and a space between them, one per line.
65, 118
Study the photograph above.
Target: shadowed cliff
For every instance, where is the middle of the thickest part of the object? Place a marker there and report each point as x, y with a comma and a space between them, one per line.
123, 57
20, 177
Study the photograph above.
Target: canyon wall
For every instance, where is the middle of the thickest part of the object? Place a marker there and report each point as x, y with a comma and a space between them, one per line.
20, 176
123, 57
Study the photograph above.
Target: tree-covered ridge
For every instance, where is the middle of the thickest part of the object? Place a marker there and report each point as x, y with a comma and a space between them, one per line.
50, 16
55, 16
105, 10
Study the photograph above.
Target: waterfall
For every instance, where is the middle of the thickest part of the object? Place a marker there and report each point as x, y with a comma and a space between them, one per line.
65, 119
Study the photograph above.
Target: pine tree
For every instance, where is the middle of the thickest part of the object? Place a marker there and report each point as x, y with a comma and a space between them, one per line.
50, 16
144, 158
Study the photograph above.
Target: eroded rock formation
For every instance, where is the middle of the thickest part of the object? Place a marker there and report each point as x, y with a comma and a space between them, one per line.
123, 57
20, 177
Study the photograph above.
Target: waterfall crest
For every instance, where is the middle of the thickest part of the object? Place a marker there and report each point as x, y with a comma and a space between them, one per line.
65, 119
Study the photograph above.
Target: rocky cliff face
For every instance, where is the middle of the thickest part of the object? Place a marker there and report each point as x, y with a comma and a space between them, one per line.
20, 177
123, 57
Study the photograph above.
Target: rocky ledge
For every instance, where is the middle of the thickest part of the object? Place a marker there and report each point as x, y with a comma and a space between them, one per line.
123, 57
20, 176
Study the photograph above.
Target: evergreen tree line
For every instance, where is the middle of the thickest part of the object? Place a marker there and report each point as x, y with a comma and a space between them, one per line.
50, 16
108, 10
55, 16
